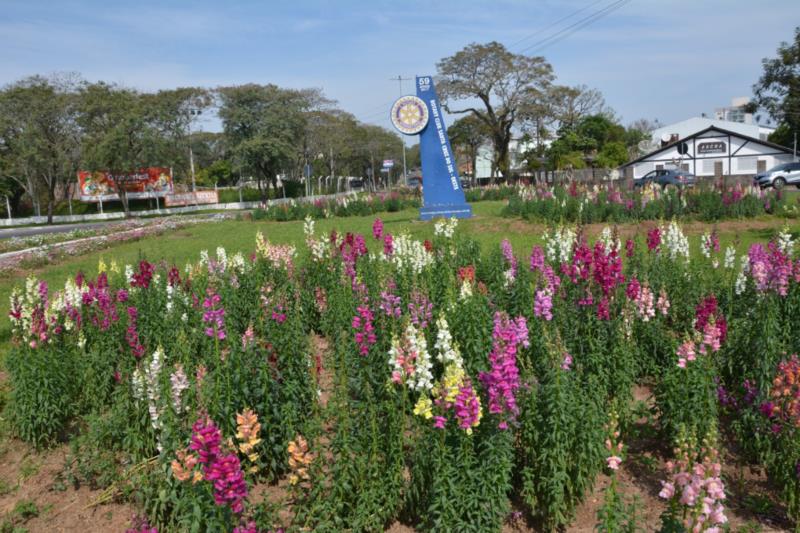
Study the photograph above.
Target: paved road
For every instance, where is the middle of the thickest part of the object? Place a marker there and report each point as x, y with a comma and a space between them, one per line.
28, 231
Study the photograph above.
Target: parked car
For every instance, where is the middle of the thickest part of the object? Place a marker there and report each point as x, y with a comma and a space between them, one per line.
666, 176
779, 176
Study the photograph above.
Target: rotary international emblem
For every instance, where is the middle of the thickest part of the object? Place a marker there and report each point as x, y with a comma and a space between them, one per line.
409, 115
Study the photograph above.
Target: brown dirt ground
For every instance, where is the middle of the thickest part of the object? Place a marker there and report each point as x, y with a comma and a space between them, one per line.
31, 476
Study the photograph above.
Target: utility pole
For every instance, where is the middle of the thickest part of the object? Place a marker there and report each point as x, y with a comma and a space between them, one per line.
193, 113
794, 150
400, 79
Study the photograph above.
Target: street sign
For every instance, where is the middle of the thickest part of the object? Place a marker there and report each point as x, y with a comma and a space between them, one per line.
388, 163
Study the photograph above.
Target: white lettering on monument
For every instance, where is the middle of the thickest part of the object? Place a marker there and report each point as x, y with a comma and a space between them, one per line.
443, 141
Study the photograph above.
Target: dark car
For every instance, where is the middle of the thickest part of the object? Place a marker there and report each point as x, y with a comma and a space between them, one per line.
779, 176
665, 177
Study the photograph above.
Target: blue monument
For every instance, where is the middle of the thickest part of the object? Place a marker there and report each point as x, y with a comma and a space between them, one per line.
442, 195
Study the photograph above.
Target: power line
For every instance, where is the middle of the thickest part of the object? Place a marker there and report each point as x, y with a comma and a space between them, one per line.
573, 28
556, 23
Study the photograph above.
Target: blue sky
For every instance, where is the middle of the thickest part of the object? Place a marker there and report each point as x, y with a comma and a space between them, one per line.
665, 59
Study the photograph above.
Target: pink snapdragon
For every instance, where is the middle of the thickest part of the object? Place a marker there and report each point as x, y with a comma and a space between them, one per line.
537, 258
694, 483
502, 380
364, 329
214, 316
508, 255
390, 304
420, 308
543, 304
377, 229
770, 268
566, 363
644, 304
388, 244
663, 303
686, 353
706, 310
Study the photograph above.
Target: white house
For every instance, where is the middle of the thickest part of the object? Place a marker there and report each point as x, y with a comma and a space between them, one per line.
713, 151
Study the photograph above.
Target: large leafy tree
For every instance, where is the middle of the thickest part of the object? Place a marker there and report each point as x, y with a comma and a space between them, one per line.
122, 133
499, 83
263, 126
40, 135
778, 90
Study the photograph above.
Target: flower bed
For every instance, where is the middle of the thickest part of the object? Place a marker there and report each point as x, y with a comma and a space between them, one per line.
608, 203
345, 206
455, 379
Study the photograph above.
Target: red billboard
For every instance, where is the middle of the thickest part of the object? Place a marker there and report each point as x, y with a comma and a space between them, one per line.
144, 183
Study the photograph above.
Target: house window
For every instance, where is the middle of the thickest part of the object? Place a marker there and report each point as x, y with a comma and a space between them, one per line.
746, 164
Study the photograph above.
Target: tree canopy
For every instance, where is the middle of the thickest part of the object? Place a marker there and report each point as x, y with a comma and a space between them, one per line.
494, 85
778, 90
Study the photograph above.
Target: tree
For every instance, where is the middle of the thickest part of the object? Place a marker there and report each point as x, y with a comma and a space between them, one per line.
263, 126
501, 81
612, 155
173, 111
40, 135
123, 133
571, 104
778, 90
467, 135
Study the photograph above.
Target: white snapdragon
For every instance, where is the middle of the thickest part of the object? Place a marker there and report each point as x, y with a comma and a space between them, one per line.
445, 228
558, 244
608, 239
410, 254
465, 291
675, 242
447, 353
128, 274
178, 383
730, 257
741, 279
785, 242
410, 360
308, 228
222, 258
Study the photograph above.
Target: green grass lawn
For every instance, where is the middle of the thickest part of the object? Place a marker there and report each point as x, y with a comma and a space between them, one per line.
488, 227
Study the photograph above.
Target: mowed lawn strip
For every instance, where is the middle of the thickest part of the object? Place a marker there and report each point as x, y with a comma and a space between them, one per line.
487, 227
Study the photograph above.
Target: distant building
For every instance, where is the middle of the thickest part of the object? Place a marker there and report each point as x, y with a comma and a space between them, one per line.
711, 152
736, 112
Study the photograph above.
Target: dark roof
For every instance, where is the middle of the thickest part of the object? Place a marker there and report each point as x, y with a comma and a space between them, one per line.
697, 134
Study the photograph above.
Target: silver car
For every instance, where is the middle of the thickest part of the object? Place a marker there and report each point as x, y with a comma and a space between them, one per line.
779, 176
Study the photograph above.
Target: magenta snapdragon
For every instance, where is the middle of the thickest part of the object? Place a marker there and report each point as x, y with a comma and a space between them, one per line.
377, 229
132, 335
467, 406
364, 329
502, 380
